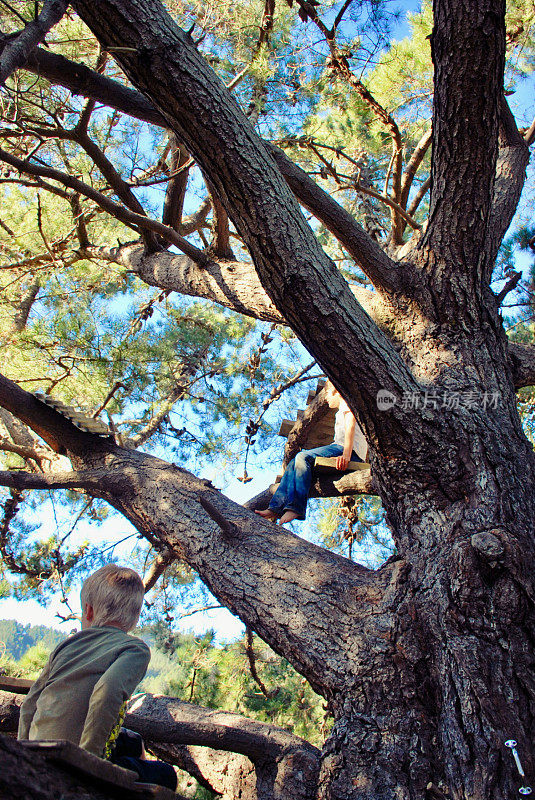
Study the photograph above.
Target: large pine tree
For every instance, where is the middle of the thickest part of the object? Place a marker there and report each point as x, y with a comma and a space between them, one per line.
426, 663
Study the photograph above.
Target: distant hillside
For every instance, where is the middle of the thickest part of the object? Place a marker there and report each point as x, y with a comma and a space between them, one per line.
18, 638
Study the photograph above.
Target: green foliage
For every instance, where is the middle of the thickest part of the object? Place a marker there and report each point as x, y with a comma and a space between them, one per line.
196, 670
8, 665
18, 639
355, 528
33, 660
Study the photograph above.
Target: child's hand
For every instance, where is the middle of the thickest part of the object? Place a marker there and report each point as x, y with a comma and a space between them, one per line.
342, 462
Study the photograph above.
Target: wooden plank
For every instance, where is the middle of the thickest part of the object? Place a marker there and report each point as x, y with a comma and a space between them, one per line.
15, 685
286, 427
70, 755
329, 464
125, 781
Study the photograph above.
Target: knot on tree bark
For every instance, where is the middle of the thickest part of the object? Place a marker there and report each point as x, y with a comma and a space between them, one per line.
488, 545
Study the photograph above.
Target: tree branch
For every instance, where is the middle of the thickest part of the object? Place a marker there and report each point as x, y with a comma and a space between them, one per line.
529, 134
60, 480
133, 220
161, 562
281, 759
419, 196
163, 502
16, 51
176, 188
221, 240
381, 270
511, 284
20, 450
412, 166
522, 361
57, 430
168, 719
384, 273
465, 130
232, 284
513, 158
165, 407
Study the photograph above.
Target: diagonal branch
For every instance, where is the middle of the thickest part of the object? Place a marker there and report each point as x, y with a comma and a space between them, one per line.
55, 429
131, 219
419, 196
151, 427
81, 80
384, 273
161, 562
412, 166
163, 502
21, 44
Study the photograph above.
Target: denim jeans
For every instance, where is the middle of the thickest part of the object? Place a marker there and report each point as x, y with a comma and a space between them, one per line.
126, 753
292, 493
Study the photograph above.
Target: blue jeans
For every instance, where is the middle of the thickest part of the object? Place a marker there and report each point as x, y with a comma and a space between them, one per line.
292, 493
126, 753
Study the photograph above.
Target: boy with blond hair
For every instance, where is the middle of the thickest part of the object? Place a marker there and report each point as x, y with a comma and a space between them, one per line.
81, 693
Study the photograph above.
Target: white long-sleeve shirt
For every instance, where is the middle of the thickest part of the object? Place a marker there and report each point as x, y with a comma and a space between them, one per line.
360, 445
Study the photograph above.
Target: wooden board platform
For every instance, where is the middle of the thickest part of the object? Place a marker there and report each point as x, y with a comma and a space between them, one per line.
15, 685
329, 464
98, 770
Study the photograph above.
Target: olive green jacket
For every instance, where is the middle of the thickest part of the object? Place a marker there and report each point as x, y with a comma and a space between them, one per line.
80, 692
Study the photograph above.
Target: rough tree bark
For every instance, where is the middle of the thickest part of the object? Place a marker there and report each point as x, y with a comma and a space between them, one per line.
426, 663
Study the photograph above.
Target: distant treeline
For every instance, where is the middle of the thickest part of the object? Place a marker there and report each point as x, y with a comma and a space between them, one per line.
18, 638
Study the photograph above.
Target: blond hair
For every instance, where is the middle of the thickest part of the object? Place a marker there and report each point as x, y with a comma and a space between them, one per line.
116, 595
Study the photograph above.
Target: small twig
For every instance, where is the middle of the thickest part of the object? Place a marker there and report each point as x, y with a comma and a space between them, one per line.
269, 693
109, 396
200, 611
